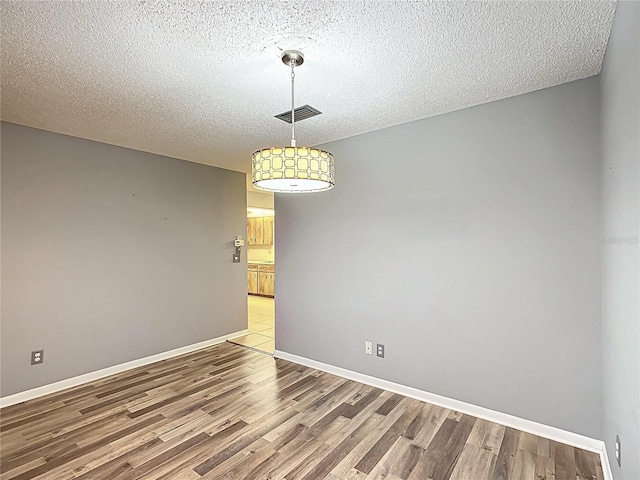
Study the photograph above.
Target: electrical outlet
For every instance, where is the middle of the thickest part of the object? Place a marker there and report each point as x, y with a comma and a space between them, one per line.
380, 350
37, 357
618, 450
368, 348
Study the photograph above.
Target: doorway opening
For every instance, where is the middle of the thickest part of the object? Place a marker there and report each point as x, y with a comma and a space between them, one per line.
260, 280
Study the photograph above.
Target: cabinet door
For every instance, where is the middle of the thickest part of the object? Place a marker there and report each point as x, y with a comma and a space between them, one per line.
259, 231
267, 233
251, 230
271, 285
256, 227
266, 283
262, 279
252, 282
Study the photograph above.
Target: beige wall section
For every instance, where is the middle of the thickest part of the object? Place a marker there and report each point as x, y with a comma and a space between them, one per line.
111, 254
261, 253
259, 199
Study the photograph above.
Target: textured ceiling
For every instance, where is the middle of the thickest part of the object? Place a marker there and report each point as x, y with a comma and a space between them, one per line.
202, 81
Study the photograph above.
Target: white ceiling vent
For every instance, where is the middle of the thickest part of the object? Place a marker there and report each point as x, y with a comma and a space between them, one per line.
302, 113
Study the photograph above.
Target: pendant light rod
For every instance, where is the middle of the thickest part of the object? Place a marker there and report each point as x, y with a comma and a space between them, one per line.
293, 105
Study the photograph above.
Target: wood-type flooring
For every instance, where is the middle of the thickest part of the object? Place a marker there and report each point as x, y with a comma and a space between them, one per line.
227, 412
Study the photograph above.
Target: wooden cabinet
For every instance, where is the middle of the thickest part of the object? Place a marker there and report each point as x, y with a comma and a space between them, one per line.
251, 234
261, 279
267, 230
260, 231
255, 231
266, 280
252, 279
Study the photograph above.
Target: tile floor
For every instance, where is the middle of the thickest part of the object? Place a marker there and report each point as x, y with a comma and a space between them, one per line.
261, 325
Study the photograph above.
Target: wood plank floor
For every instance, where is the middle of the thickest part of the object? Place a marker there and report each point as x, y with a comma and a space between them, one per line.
227, 412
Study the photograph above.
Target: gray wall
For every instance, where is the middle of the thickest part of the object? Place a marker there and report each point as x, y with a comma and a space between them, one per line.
469, 245
621, 249
110, 255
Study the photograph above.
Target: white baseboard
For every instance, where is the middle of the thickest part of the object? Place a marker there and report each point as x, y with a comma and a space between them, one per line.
105, 372
529, 426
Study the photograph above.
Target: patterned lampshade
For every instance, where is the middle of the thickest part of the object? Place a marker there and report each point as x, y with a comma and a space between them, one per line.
292, 170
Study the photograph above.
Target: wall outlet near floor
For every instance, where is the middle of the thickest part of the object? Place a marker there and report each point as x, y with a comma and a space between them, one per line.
618, 450
37, 357
380, 350
368, 348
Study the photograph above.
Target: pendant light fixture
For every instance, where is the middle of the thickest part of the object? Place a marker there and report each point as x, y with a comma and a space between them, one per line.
292, 169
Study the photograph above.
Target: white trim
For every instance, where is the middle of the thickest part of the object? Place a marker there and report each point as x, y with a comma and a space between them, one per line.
604, 460
539, 429
105, 372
